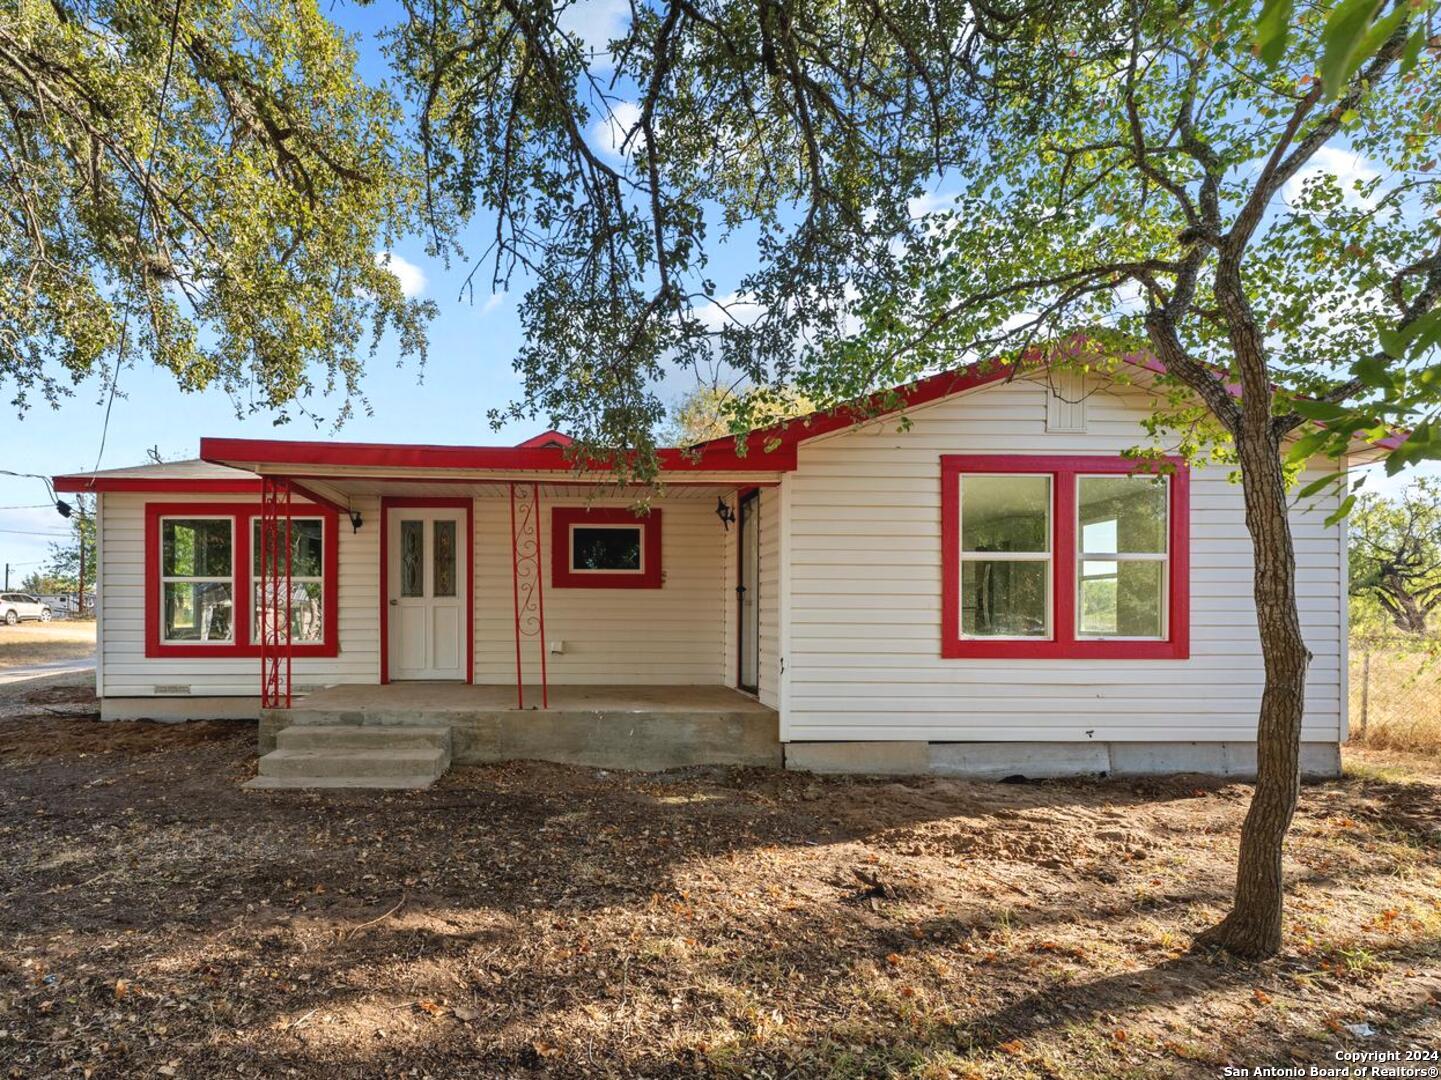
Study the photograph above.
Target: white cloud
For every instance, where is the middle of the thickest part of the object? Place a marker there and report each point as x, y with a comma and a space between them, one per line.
610, 131
493, 301
728, 310
1346, 166
412, 278
597, 23
930, 203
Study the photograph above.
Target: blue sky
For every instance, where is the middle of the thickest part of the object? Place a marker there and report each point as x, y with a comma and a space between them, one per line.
468, 373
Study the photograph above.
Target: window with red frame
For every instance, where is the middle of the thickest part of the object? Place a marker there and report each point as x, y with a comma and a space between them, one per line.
602, 548
1064, 557
202, 580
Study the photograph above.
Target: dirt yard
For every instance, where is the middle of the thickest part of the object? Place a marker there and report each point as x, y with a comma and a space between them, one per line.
31, 643
540, 920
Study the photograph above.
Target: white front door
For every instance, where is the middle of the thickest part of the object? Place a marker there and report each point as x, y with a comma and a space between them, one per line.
427, 585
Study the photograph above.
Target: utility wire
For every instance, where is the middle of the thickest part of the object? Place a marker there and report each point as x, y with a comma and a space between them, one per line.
140, 228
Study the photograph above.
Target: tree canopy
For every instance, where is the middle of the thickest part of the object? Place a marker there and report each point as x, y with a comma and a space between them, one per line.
204, 184
710, 412
1395, 559
801, 130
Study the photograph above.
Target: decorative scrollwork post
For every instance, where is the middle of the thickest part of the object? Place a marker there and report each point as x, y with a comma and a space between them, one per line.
527, 583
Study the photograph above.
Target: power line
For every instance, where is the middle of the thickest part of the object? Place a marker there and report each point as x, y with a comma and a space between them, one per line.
140, 228
34, 532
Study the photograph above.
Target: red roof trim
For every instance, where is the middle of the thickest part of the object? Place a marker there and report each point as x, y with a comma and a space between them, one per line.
202, 485
771, 449
500, 458
911, 395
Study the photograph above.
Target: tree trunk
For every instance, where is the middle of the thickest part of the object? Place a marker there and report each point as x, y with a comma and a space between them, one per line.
1253, 927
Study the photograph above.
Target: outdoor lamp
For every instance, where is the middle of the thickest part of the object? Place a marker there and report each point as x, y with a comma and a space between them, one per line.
724, 512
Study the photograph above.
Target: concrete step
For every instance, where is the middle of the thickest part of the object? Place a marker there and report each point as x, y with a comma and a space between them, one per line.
355, 737
386, 783
394, 717
379, 762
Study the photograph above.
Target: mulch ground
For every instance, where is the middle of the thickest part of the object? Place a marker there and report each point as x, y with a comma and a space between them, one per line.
526, 919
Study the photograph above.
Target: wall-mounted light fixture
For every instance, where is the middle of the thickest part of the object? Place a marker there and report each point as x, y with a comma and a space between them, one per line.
356, 521
724, 511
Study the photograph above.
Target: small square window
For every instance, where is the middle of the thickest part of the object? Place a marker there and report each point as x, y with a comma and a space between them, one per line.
603, 548
614, 549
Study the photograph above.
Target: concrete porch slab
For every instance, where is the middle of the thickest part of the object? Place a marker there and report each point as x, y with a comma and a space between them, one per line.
622, 727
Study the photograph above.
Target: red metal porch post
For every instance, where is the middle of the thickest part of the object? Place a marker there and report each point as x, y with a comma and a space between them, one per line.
272, 617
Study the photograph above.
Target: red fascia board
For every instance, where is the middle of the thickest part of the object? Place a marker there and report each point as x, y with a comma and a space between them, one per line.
276, 452
911, 395
84, 485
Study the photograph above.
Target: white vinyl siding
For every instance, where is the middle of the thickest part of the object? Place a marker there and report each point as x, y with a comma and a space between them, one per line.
768, 683
730, 599
864, 659
672, 635
130, 673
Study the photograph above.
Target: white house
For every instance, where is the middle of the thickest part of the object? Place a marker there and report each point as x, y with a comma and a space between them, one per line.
988, 589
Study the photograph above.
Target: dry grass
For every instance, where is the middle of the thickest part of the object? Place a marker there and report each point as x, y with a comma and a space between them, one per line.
533, 919
43, 643
1396, 698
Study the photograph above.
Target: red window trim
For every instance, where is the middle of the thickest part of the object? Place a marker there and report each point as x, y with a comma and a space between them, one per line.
241, 515
426, 502
563, 577
1064, 644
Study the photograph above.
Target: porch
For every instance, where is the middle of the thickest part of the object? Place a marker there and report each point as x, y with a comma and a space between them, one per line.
622, 727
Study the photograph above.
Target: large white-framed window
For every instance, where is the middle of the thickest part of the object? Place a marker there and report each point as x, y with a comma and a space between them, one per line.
307, 578
1122, 557
1006, 553
197, 580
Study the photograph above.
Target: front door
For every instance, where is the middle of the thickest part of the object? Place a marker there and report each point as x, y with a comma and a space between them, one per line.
749, 591
427, 583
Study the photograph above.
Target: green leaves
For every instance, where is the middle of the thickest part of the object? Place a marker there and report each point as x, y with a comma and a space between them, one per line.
1273, 28
1422, 444
277, 176
1351, 35
1414, 339
1344, 41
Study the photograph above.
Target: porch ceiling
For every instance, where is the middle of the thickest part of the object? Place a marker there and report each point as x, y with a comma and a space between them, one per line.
344, 488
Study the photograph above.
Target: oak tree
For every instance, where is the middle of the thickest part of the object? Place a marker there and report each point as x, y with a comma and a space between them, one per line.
202, 184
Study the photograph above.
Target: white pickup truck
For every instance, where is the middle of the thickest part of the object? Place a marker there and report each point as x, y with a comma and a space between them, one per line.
15, 606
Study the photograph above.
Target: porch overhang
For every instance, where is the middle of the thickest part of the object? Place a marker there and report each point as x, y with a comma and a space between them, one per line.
711, 463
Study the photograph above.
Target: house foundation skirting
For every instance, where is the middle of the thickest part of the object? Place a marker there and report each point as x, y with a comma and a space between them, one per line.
1045, 760
179, 709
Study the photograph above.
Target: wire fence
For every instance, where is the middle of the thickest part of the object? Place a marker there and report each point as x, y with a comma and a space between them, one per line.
1396, 691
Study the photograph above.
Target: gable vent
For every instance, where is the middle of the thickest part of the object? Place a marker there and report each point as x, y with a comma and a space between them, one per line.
1066, 401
